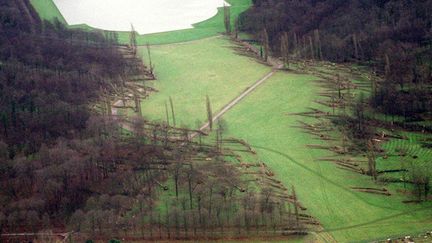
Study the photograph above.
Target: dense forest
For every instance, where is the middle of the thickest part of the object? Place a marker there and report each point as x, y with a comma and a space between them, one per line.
50, 78
393, 37
67, 165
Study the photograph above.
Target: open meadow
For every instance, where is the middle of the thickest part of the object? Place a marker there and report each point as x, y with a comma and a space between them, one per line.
264, 120
188, 72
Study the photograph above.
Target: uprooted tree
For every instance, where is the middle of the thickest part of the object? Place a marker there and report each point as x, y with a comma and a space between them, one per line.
227, 19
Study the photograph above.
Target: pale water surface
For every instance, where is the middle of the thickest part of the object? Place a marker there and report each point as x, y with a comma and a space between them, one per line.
147, 16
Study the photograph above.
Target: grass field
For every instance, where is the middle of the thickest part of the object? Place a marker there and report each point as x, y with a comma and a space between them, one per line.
47, 10
188, 72
262, 121
211, 27
404, 153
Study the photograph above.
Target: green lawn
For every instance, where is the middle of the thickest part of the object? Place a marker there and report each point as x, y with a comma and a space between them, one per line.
47, 10
261, 120
404, 153
188, 72
211, 27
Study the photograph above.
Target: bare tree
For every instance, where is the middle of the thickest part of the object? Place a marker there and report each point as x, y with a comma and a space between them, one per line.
311, 48
190, 175
236, 28
265, 43
227, 19
77, 220
304, 48
167, 220
137, 101
209, 112
176, 172
2, 221
167, 113
371, 159
133, 40
294, 196
284, 48
185, 216
318, 44
387, 66
151, 66
221, 128
356, 47
172, 111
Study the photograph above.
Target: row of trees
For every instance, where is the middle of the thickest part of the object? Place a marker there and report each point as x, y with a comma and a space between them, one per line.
106, 184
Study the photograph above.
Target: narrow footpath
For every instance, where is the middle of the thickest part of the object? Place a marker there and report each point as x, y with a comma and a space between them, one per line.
277, 65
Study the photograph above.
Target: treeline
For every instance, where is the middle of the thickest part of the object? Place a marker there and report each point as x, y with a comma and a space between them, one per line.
108, 185
394, 37
172, 188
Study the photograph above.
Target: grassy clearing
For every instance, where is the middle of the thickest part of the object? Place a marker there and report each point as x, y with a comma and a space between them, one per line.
211, 27
47, 10
261, 120
207, 28
188, 72
401, 153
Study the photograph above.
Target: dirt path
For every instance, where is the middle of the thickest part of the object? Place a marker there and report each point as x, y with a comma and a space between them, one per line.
234, 102
226, 108
277, 65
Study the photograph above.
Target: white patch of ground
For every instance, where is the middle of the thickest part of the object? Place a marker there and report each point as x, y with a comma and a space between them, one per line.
147, 16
